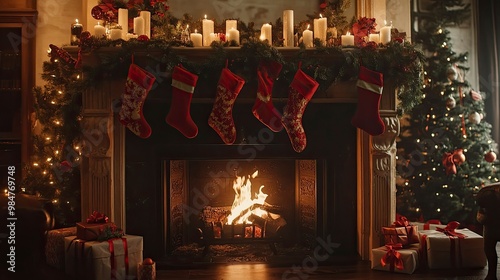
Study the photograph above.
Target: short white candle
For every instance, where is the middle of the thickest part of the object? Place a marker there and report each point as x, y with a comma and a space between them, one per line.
146, 16
348, 39
214, 37
115, 34
307, 38
139, 26
266, 33
288, 38
208, 27
385, 33
320, 27
99, 30
196, 38
123, 21
131, 36
231, 24
234, 35
374, 38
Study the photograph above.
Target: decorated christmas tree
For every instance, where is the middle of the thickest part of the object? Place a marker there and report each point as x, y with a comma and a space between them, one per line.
53, 171
445, 151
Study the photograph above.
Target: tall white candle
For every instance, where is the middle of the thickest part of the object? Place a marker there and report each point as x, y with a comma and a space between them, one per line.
320, 27
123, 21
266, 33
385, 33
307, 38
231, 24
234, 35
146, 16
208, 27
99, 30
196, 38
139, 26
348, 39
288, 38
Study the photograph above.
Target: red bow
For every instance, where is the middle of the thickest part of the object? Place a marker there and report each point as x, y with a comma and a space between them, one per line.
450, 160
450, 230
97, 218
393, 257
401, 221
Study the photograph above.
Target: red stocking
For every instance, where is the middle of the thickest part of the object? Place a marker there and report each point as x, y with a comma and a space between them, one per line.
139, 83
300, 92
179, 116
221, 117
367, 117
263, 108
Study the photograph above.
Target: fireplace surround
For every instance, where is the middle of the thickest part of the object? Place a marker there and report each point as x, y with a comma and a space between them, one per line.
129, 178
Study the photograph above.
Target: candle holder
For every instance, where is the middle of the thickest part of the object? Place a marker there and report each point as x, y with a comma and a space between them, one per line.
76, 31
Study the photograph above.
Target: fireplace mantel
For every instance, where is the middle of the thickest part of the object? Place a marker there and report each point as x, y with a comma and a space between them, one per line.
103, 168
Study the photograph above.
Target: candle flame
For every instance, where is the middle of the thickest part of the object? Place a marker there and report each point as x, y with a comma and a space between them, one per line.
196, 31
308, 26
348, 33
205, 16
320, 15
385, 22
76, 20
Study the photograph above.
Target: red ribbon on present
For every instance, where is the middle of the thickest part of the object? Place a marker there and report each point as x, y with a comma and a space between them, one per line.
401, 221
431, 222
112, 259
393, 257
450, 228
97, 218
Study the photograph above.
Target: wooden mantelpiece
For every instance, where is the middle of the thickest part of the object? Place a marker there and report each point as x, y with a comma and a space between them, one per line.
103, 169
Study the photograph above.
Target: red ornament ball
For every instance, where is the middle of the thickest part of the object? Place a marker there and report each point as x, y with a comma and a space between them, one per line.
143, 38
148, 261
490, 156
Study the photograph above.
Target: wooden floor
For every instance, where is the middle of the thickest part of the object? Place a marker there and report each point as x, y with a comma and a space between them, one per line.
262, 271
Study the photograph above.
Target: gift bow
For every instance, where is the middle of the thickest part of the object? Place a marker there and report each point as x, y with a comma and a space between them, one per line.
393, 257
450, 230
450, 163
97, 218
401, 221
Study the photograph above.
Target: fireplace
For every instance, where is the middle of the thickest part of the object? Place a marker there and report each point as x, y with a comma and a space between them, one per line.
132, 179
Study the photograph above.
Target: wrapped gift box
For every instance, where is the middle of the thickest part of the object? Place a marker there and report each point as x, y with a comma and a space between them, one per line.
405, 235
410, 257
443, 251
90, 231
427, 225
54, 246
93, 259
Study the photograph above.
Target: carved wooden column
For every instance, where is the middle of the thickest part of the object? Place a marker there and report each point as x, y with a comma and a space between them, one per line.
102, 170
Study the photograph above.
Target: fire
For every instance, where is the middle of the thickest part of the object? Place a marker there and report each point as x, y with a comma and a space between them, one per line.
244, 205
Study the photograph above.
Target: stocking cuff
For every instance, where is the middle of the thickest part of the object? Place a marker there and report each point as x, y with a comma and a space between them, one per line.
183, 78
371, 77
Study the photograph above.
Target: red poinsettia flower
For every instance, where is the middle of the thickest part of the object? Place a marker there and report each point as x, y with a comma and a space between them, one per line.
323, 5
362, 28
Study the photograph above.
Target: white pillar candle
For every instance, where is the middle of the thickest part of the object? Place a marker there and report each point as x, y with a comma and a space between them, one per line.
99, 30
307, 38
374, 38
115, 34
266, 33
139, 26
123, 21
208, 27
348, 39
131, 36
146, 16
231, 24
196, 38
320, 27
288, 38
385, 33
234, 35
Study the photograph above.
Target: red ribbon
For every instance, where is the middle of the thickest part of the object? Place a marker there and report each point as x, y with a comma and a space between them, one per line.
431, 222
97, 218
112, 259
450, 162
401, 221
450, 228
393, 257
